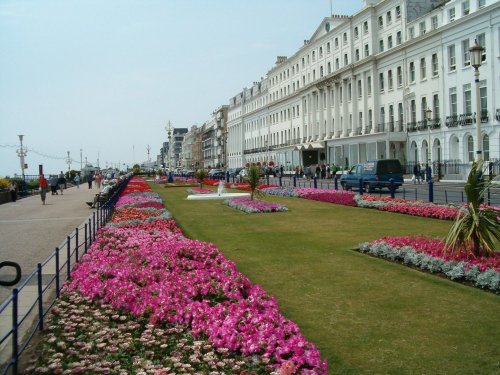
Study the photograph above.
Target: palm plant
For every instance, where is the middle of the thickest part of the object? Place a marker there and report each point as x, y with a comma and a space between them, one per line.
253, 179
477, 226
200, 175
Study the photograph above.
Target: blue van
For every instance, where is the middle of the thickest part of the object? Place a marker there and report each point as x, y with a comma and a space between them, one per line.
375, 174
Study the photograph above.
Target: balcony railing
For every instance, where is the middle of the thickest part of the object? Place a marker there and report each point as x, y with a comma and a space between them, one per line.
452, 121
411, 126
498, 114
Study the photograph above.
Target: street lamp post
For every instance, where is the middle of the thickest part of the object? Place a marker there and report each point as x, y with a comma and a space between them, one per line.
428, 117
81, 166
169, 130
476, 57
68, 161
21, 152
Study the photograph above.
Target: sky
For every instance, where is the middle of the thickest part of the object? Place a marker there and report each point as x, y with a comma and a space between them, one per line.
106, 76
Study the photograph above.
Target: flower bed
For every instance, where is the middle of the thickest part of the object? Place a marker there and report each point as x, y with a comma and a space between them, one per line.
409, 207
343, 197
250, 206
148, 269
199, 191
430, 255
280, 191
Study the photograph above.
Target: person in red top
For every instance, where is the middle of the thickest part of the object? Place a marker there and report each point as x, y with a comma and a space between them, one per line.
44, 185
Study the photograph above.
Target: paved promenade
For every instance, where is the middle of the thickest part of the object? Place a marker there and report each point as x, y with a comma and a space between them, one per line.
30, 231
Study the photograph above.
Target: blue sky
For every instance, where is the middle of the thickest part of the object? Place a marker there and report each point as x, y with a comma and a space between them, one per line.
106, 76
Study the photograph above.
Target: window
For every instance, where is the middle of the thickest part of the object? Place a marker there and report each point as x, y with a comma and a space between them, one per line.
321, 71
486, 147
467, 99
341, 97
470, 148
465, 52
398, 12
423, 107
360, 119
422, 27
369, 85
435, 66
481, 4
483, 99
365, 27
435, 106
451, 14
400, 113
451, 58
344, 37
465, 7
328, 49
336, 43
412, 72
398, 38
303, 62
380, 22
389, 41
453, 101
346, 60
381, 46
412, 32
367, 50
360, 91
481, 40
320, 52
434, 22
390, 81
391, 117
423, 68
314, 56
329, 67
370, 119
337, 63
357, 54
399, 74
356, 33
388, 17
382, 115
381, 82
413, 110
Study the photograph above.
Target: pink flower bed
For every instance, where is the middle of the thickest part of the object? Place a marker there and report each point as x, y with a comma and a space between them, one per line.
436, 248
149, 269
343, 197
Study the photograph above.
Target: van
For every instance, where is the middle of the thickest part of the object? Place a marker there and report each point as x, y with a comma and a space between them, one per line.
376, 174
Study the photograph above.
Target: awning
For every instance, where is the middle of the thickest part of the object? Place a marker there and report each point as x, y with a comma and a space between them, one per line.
315, 146
300, 147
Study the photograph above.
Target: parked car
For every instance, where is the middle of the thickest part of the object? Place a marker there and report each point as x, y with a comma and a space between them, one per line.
216, 173
234, 171
376, 174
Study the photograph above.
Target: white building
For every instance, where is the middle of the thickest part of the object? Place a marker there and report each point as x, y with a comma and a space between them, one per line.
358, 89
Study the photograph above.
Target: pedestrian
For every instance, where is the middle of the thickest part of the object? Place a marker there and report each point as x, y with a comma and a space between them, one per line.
281, 171
328, 174
417, 173
89, 180
61, 181
323, 171
334, 170
53, 184
13, 190
43, 187
77, 180
98, 179
428, 172
301, 174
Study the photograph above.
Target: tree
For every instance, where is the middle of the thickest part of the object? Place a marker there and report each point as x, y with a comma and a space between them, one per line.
136, 169
200, 175
478, 226
253, 179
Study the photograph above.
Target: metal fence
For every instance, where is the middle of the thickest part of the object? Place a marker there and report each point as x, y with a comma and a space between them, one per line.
32, 299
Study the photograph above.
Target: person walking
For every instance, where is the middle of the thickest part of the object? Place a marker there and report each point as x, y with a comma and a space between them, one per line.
416, 173
61, 181
43, 187
13, 190
98, 179
53, 184
89, 180
77, 180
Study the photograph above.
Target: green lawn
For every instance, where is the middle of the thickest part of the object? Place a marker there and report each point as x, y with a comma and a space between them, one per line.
366, 315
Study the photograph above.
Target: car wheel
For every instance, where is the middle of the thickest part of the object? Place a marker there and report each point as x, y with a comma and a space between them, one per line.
367, 188
344, 185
